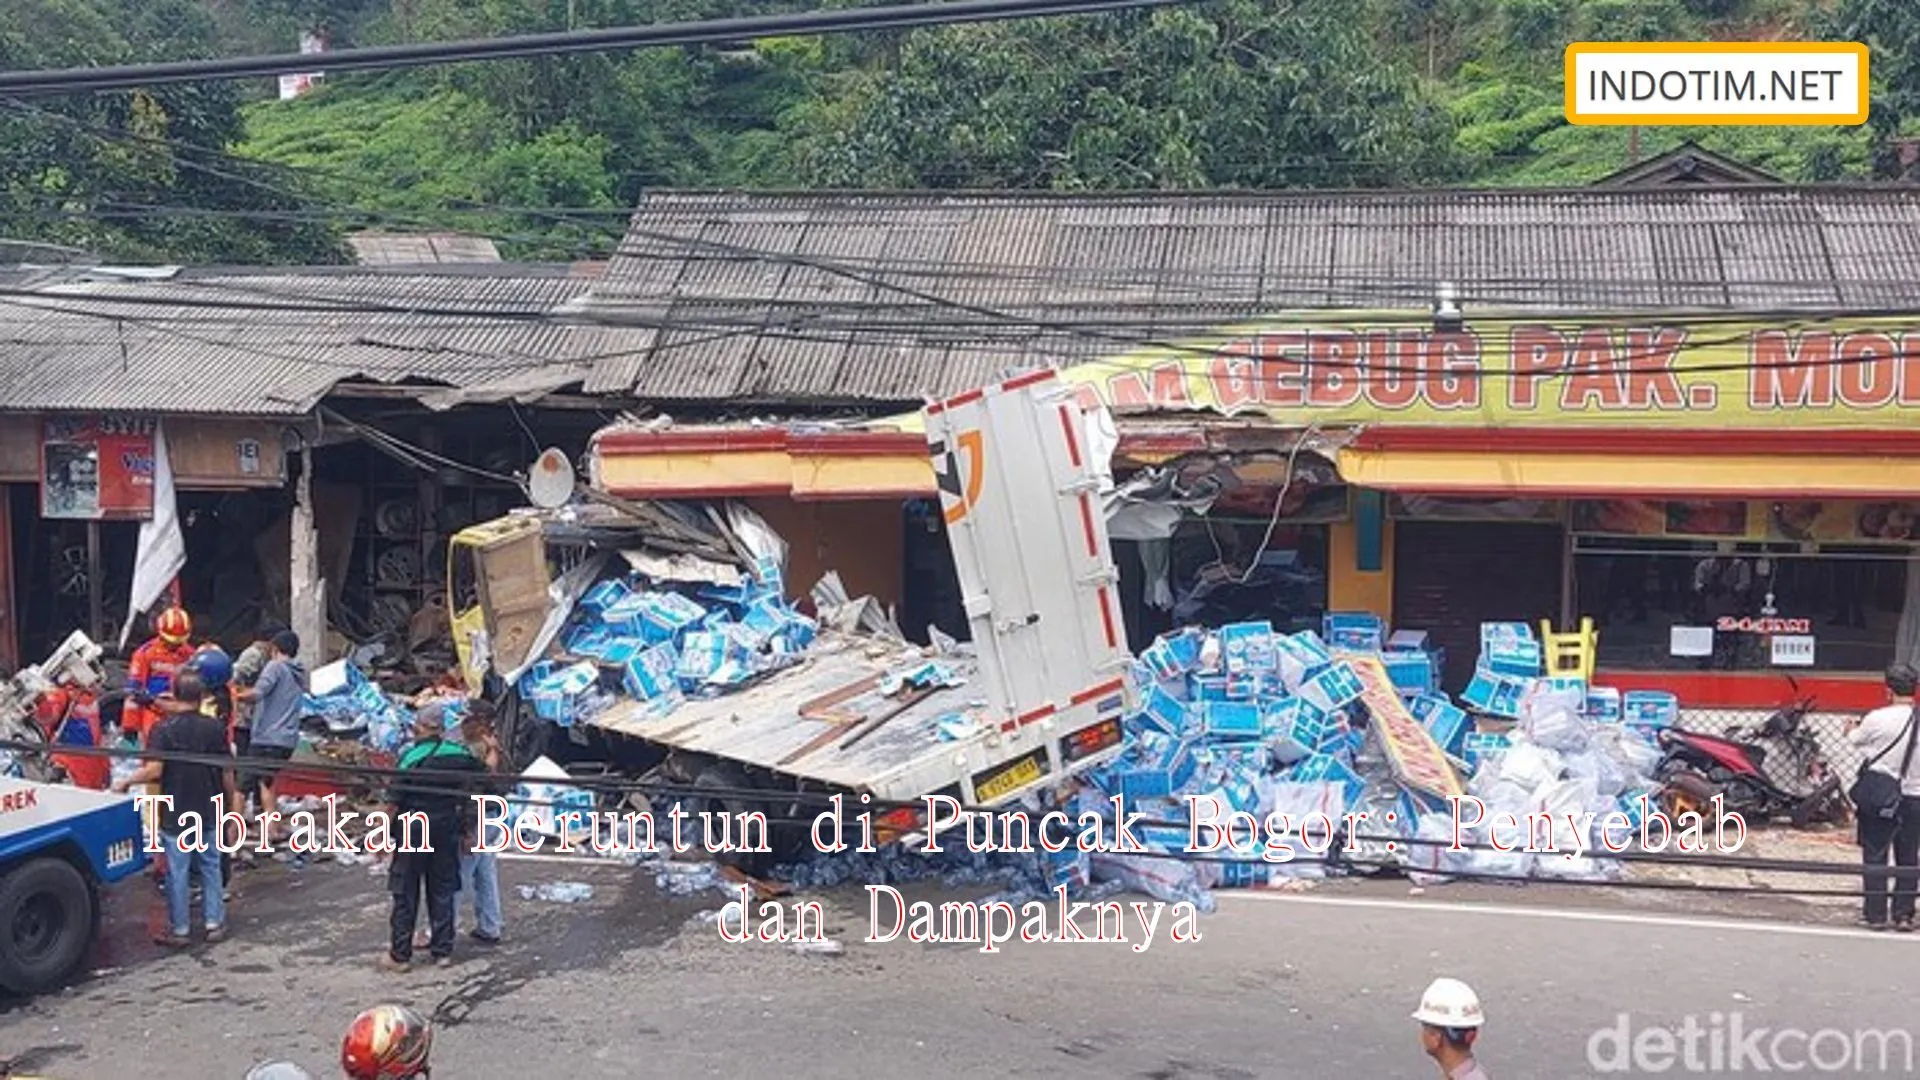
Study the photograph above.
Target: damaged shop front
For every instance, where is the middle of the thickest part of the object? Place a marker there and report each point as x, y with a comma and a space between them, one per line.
78, 489
1728, 503
679, 632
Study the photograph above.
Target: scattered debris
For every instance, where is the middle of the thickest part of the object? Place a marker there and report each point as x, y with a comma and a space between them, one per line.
557, 892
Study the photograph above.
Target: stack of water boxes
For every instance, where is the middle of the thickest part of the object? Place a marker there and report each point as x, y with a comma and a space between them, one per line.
1224, 711
1510, 680
656, 646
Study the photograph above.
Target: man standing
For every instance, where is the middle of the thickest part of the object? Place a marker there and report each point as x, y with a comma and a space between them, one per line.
151, 669
480, 870
246, 672
1450, 1020
275, 699
190, 823
1887, 737
435, 773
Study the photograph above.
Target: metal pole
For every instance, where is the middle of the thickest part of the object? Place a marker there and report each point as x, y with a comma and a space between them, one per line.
95, 603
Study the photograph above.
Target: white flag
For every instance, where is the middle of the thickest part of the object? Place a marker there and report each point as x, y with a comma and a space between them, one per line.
163, 549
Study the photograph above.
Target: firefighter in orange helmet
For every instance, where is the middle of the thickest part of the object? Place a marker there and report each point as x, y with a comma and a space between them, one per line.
150, 673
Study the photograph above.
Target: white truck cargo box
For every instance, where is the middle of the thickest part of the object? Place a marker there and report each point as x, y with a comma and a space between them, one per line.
1020, 492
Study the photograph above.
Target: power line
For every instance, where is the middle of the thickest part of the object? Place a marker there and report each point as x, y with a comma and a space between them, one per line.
563, 43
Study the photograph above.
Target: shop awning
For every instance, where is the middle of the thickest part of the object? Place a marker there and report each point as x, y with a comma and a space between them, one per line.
1838, 465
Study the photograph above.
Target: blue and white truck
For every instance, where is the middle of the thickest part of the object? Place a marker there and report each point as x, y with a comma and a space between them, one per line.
58, 843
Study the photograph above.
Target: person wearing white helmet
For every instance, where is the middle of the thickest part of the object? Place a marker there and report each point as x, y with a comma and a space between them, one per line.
1450, 1020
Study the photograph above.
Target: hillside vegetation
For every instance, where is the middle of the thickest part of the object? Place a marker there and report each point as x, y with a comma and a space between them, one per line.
547, 155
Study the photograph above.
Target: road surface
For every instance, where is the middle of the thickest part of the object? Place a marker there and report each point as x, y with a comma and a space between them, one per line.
1311, 985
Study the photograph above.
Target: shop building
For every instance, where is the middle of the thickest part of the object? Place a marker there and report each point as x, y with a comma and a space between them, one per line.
1679, 410
326, 429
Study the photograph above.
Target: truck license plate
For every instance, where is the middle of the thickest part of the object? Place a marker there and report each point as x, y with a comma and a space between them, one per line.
1012, 778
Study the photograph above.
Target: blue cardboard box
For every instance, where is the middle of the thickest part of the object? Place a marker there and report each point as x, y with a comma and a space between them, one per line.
1603, 705
1210, 688
1481, 746
1173, 656
1410, 672
1164, 711
1650, 708
1158, 776
1248, 648
1498, 695
1232, 720
1300, 656
650, 675
605, 594
1504, 631
1295, 729
1520, 659
1358, 631
1446, 722
1333, 688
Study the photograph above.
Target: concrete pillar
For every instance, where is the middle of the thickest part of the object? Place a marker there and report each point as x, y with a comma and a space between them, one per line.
307, 591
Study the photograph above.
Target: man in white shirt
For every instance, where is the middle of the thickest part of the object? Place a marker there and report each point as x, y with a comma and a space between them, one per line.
1887, 732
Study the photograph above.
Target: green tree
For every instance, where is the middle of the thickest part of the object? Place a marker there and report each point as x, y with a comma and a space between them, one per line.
89, 171
1237, 93
1891, 30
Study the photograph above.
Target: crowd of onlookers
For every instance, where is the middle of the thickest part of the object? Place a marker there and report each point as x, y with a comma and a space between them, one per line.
221, 732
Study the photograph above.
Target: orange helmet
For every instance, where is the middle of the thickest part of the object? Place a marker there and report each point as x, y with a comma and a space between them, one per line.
387, 1042
173, 625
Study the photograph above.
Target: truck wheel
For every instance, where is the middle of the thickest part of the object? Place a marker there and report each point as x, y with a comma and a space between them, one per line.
46, 924
523, 734
783, 837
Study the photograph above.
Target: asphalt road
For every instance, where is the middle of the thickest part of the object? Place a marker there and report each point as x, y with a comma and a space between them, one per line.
1311, 985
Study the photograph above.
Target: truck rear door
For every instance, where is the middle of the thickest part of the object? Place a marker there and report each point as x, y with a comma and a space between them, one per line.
1020, 492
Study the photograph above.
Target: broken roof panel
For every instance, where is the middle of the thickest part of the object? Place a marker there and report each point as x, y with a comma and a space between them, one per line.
275, 343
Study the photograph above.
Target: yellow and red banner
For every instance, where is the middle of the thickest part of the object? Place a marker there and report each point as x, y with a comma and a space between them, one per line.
1532, 373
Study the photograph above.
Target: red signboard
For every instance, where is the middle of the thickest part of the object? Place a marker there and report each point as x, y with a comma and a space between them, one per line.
95, 468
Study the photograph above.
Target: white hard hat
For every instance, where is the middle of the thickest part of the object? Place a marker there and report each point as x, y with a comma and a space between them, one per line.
1450, 1003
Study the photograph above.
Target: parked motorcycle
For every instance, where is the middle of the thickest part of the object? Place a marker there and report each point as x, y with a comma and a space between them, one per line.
1764, 773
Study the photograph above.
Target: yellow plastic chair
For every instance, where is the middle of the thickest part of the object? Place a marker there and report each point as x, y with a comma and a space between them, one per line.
1569, 653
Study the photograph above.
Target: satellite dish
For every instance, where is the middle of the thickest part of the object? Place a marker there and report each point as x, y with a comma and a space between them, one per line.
550, 481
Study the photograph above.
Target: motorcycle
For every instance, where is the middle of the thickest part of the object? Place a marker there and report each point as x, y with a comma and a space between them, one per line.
1762, 773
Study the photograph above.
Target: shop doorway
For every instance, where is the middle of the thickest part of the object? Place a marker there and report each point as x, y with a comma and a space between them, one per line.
1451, 576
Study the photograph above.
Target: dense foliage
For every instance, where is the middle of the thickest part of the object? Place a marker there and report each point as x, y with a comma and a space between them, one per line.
547, 155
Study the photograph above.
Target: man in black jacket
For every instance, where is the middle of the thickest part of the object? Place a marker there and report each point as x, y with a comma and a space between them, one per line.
437, 778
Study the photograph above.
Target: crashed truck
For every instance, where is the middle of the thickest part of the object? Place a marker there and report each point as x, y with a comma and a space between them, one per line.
658, 632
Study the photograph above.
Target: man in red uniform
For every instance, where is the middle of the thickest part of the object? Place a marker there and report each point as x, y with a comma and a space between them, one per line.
71, 717
150, 672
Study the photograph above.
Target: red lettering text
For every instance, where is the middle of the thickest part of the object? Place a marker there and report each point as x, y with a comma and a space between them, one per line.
1538, 351
1789, 374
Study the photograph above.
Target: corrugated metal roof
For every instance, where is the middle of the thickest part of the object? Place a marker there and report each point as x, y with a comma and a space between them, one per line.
864, 295
276, 343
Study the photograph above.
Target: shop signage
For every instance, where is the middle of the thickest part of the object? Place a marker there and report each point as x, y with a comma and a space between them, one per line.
95, 468
1800, 522
1530, 374
1764, 625
1793, 650
1414, 757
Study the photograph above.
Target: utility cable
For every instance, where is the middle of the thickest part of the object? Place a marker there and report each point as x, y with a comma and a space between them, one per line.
562, 43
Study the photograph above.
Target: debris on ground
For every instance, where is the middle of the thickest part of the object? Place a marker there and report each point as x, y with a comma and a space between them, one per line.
557, 892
